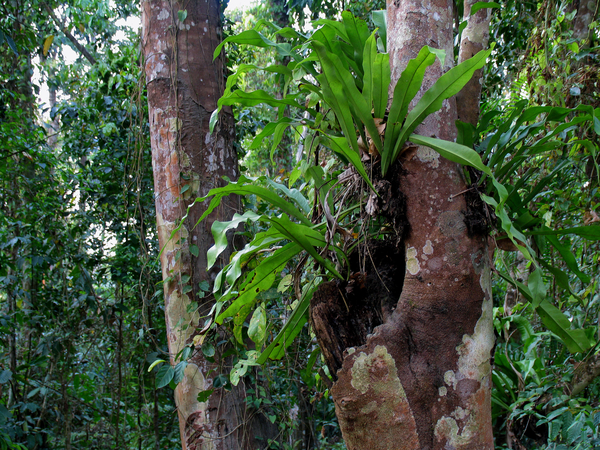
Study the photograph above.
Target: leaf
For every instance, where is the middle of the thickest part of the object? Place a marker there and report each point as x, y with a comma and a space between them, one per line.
194, 250
179, 371
240, 188
239, 319
537, 287
5, 376
155, 363
293, 194
256, 98
380, 21
261, 278
257, 329
182, 15
358, 33
568, 257
249, 37
219, 231
405, 90
185, 353
376, 79
481, 5
445, 87
344, 89
292, 327
591, 232
203, 396
47, 43
452, 151
208, 349
164, 376
11, 44
303, 236
340, 146
270, 129
221, 380
575, 340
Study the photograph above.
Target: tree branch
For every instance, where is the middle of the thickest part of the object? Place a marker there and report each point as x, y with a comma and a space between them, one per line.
69, 36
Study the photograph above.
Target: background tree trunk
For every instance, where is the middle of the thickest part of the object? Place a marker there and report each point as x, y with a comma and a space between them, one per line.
422, 380
184, 85
474, 38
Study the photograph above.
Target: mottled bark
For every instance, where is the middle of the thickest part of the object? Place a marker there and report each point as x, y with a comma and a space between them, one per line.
422, 378
474, 38
184, 85
586, 12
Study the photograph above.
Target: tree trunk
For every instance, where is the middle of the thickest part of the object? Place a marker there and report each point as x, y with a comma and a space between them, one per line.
474, 38
586, 12
422, 379
184, 85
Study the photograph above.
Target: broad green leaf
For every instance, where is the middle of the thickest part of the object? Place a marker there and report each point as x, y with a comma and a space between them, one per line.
376, 67
561, 278
219, 231
239, 319
257, 329
221, 380
591, 232
380, 21
277, 137
568, 257
164, 376
11, 44
270, 129
234, 270
6, 375
445, 87
481, 5
203, 396
249, 37
293, 194
345, 90
240, 188
261, 278
575, 340
292, 327
257, 97
185, 353
243, 68
358, 33
453, 152
305, 237
339, 104
179, 371
537, 287
405, 90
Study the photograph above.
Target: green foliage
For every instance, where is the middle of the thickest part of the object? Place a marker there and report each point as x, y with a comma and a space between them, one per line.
77, 247
344, 78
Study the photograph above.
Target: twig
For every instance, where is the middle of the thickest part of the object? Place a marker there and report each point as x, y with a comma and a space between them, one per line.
68, 34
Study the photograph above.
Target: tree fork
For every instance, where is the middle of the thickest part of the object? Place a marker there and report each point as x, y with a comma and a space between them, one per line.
422, 379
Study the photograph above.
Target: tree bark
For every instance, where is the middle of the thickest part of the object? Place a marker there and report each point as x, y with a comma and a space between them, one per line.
586, 12
422, 378
474, 38
184, 85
